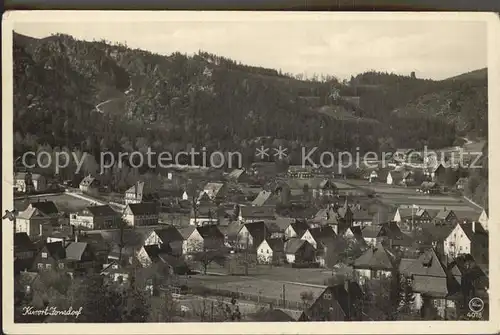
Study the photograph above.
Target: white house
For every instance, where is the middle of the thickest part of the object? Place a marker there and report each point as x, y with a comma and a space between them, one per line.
89, 184
270, 251
296, 229
39, 182
95, 217
394, 177
467, 238
192, 240
141, 214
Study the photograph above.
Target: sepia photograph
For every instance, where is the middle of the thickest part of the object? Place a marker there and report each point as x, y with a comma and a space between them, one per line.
295, 169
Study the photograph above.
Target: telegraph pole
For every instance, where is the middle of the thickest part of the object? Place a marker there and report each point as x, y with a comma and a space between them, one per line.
284, 299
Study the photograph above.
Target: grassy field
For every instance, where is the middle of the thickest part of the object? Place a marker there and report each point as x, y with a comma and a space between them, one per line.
64, 202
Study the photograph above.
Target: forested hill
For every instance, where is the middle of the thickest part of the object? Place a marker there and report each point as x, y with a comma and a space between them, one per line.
97, 95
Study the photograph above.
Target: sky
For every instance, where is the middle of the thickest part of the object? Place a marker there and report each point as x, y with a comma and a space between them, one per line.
433, 49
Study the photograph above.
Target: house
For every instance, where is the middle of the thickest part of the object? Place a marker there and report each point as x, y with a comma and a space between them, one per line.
299, 251
252, 214
252, 234
321, 239
394, 177
264, 169
237, 175
372, 234
326, 216
50, 256
375, 262
433, 235
445, 216
467, 238
433, 285
461, 183
29, 182
205, 214
35, 216
407, 178
297, 228
300, 171
213, 192
265, 198
336, 303
464, 216
89, 184
345, 213
412, 218
274, 315
171, 240
192, 240
271, 251
141, 214
213, 239
429, 187
24, 252
354, 233
362, 218
438, 172
141, 192
116, 272
95, 217
80, 258
373, 176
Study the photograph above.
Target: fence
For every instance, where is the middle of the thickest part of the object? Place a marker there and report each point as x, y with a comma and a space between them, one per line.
258, 299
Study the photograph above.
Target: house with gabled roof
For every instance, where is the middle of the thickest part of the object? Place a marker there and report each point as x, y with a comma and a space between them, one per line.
89, 184
445, 216
213, 239
433, 284
141, 214
473, 280
271, 251
429, 187
80, 258
375, 262
321, 238
237, 175
297, 228
213, 191
171, 240
412, 218
50, 256
483, 219
252, 234
461, 183
265, 198
95, 217
336, 303
467, 238
37, 215
362, 218
394, 177
140, 192
299, 251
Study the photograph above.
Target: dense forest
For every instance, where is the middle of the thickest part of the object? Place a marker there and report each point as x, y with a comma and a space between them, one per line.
101, 96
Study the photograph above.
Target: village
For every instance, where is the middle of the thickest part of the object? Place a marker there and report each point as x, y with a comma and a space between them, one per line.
304, 244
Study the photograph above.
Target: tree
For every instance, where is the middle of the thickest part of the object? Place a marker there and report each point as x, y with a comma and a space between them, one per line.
206, 256
406, 296
307, 298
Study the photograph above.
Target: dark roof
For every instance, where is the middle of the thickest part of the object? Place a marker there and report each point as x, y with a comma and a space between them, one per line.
322, 233
102, 210
428, 264
153, 252
372, 231
169, 234
300, 227
22, 240
46, 207
361, 215
477, 236
436, 232
275, 315
210, 231
376, 257
443, 214
74, 250
257, 230
293, 245
257, 212
261, 198
346, 299
56, 250
144, 208
276, 244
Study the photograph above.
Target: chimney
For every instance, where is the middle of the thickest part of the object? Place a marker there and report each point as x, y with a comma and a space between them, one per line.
445, 208
136, 188
474, 226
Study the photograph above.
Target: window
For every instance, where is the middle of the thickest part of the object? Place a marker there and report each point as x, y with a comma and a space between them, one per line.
48, 266
267, 251
39, 266
61, 265
44, 255
327, 296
